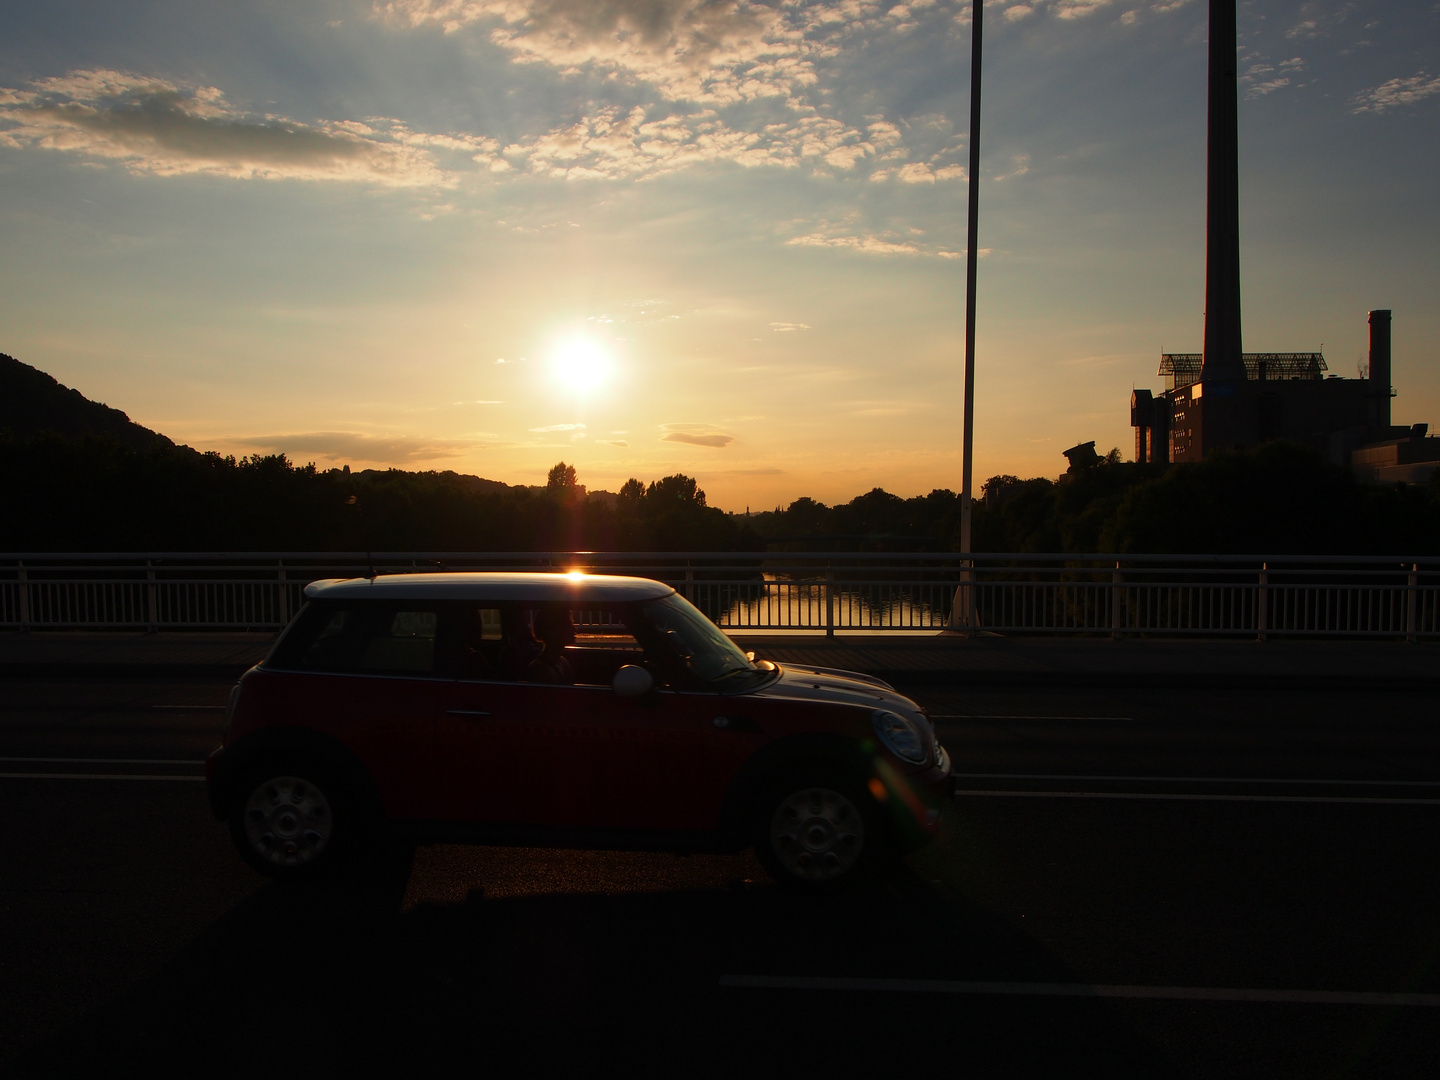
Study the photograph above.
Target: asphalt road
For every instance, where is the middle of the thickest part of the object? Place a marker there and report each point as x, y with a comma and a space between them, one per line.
1184, 882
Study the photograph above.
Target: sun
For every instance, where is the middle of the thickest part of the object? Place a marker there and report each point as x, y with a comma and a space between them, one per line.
580, 364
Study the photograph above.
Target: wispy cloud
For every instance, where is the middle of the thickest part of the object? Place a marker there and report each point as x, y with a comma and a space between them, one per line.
788, 327
357, 446
868, 245
1394, 93
738, 81
717, 441
153, 125
560, 427
614, 143
1321, 18
844, 236
714, 51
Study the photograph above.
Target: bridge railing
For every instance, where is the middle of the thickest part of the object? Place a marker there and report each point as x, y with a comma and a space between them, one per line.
829, 592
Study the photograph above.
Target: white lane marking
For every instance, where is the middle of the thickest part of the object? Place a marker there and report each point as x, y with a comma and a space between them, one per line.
978, 716
1168, 797
1027, 989
1194, 779
99, 761
97, 776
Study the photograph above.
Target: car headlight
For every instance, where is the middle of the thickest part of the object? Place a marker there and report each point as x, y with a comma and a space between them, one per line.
901, 737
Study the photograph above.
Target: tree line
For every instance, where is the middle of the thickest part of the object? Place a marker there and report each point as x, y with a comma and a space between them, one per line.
99, 494
95, 494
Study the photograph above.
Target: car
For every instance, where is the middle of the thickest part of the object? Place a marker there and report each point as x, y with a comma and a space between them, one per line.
563, 710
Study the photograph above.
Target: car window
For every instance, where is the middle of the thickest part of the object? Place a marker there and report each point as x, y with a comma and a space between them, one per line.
362, 639
503, 642
705, 653
596, 629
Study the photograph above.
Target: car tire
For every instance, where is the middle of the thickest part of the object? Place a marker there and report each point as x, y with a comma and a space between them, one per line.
292, 821
815, 829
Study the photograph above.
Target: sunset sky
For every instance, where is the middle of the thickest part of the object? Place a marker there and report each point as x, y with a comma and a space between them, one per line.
723, 238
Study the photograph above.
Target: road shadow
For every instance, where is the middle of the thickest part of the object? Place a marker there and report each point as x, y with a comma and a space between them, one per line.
339, 978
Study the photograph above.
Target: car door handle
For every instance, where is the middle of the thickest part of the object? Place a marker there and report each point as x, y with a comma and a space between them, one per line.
466, 712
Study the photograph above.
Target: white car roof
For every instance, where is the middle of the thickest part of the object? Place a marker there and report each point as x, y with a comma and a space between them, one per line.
482, 586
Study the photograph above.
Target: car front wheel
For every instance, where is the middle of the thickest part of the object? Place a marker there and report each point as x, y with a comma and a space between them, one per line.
817, 831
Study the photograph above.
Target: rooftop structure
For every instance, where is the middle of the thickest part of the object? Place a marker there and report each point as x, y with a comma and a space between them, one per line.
1182, 369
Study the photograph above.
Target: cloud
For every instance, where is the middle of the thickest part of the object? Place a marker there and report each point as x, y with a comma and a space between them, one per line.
868, 245
1394, 93
1077, 9
702, 58
1080, 9
713, 51
919, 173
560, 427
788, 327
717, 441
357, 446
1320, 18
613, 442
614, 143
1019, 166
152, 125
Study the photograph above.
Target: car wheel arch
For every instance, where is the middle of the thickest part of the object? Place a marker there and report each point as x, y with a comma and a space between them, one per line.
792, 753
295, 746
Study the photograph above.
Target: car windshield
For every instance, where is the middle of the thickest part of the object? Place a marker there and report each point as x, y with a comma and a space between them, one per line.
702, 646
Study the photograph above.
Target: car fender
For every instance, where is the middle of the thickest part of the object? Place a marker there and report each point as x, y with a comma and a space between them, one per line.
306, 746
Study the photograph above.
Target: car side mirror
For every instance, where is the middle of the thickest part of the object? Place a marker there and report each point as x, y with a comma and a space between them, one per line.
632, 680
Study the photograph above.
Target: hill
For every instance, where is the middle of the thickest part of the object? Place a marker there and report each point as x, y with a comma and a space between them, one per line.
33, 403
80, 476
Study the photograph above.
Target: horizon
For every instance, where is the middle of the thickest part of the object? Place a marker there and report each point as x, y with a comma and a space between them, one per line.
719, 240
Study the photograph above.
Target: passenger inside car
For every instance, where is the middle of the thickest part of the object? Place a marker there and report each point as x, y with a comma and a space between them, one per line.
518, 646
554, 628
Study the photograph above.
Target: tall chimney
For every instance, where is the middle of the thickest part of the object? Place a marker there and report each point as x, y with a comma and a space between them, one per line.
1223, 359
1380, 370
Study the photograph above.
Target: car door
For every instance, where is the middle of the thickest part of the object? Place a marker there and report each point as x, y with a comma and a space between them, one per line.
581, 756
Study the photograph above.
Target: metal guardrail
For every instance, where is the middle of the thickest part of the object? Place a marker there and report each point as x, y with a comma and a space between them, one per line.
1159, 595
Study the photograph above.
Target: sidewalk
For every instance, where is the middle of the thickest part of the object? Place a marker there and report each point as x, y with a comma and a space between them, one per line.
943, 658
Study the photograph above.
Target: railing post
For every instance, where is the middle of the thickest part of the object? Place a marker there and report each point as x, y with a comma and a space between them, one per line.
1117, 601
150, 596
24, 599
963, 605
829, 601
283, 607
689, 581
1412, 603
1262, 613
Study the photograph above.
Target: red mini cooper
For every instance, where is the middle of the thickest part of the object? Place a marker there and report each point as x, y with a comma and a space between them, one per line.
563, 710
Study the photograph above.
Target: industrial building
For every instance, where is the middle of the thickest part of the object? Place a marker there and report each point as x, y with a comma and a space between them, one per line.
1225, 399
1284, 396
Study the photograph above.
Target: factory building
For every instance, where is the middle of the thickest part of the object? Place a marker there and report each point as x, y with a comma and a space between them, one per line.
1283, 396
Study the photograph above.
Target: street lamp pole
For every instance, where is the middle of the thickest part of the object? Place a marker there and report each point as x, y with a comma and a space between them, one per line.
963, 609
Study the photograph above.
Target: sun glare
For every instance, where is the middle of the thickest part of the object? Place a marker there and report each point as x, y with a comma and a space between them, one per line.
580, 364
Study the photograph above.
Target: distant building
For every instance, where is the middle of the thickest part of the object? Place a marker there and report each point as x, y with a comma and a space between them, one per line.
1284, 396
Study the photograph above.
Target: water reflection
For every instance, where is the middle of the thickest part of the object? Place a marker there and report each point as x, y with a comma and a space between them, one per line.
783, 604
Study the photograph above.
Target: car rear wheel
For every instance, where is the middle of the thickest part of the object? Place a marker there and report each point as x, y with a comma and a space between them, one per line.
290, 822
817, 831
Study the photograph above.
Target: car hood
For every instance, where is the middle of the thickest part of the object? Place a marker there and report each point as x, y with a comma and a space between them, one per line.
840, 687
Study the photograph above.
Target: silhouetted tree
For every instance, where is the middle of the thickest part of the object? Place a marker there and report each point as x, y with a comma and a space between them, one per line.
561, 477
